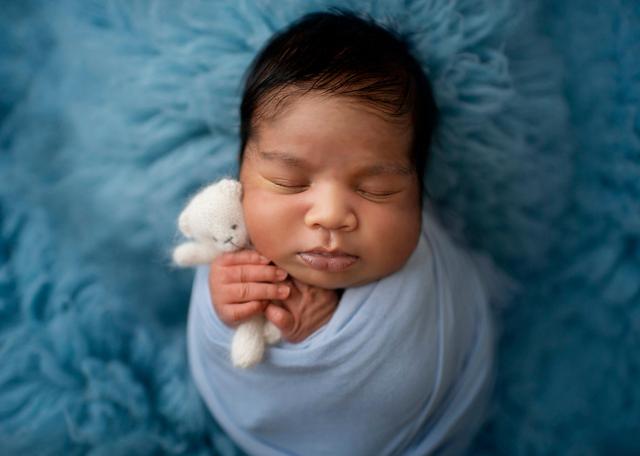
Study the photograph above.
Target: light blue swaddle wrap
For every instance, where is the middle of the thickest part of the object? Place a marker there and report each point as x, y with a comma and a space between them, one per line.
404, 366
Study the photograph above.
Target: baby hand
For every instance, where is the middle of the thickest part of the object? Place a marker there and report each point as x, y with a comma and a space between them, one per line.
242, 284
305, 310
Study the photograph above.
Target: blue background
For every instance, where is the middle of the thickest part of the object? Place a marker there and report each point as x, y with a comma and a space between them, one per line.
113, 112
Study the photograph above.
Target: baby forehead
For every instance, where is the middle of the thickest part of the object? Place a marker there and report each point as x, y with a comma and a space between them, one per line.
291, 103
334, 123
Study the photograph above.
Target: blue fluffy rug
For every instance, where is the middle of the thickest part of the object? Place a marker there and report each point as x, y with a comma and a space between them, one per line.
112, 112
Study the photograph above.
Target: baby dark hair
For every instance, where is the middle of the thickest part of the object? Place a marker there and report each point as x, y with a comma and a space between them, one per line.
339, 53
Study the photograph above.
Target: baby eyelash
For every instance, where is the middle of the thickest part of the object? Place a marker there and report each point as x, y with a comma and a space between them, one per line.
289, 186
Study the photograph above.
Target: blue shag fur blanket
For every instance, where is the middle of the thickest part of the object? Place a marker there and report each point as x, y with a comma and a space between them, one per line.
112, 112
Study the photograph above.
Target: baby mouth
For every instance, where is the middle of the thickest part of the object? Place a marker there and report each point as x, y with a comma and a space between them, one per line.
326, 260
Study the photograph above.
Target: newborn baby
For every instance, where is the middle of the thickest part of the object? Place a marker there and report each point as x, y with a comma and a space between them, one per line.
337, 118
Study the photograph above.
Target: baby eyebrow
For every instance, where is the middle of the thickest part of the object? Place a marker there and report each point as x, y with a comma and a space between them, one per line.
285, 158
385, 169
376, 169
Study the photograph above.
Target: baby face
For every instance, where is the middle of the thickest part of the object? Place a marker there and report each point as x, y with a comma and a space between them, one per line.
329, 192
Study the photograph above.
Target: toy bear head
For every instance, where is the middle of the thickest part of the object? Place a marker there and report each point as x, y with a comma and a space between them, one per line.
214, 216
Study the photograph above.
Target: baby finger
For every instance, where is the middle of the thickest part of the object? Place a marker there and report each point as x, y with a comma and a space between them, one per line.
242, 257
250, 291
235, 314
253, 273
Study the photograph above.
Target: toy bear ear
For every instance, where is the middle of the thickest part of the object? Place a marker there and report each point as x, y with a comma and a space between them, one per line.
231, 187
237, 188
183, 222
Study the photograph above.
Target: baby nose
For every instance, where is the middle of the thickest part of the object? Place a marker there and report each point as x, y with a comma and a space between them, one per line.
331, 211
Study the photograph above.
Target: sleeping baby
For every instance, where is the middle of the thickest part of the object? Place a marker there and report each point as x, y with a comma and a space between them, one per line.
388, 338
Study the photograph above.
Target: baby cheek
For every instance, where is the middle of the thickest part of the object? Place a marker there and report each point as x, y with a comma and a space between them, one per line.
402, 238
252, 216
265, 223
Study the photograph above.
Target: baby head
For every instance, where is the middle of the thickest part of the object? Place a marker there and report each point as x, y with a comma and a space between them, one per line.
336, 122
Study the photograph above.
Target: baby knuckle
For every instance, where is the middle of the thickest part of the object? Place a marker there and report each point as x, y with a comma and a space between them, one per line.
245, 291
242, 274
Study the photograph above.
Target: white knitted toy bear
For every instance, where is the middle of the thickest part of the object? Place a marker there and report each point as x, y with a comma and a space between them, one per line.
213, 220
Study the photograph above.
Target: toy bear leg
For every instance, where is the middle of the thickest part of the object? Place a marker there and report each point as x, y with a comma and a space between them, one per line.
248, 344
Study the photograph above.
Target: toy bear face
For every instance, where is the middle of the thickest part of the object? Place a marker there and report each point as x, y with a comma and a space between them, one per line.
214, 216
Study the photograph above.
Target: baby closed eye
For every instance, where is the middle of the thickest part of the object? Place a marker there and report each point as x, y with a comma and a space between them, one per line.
371, 194
377, 195
292, 187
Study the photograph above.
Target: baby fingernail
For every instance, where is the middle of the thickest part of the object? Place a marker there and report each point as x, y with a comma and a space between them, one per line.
281, 274
283, 291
